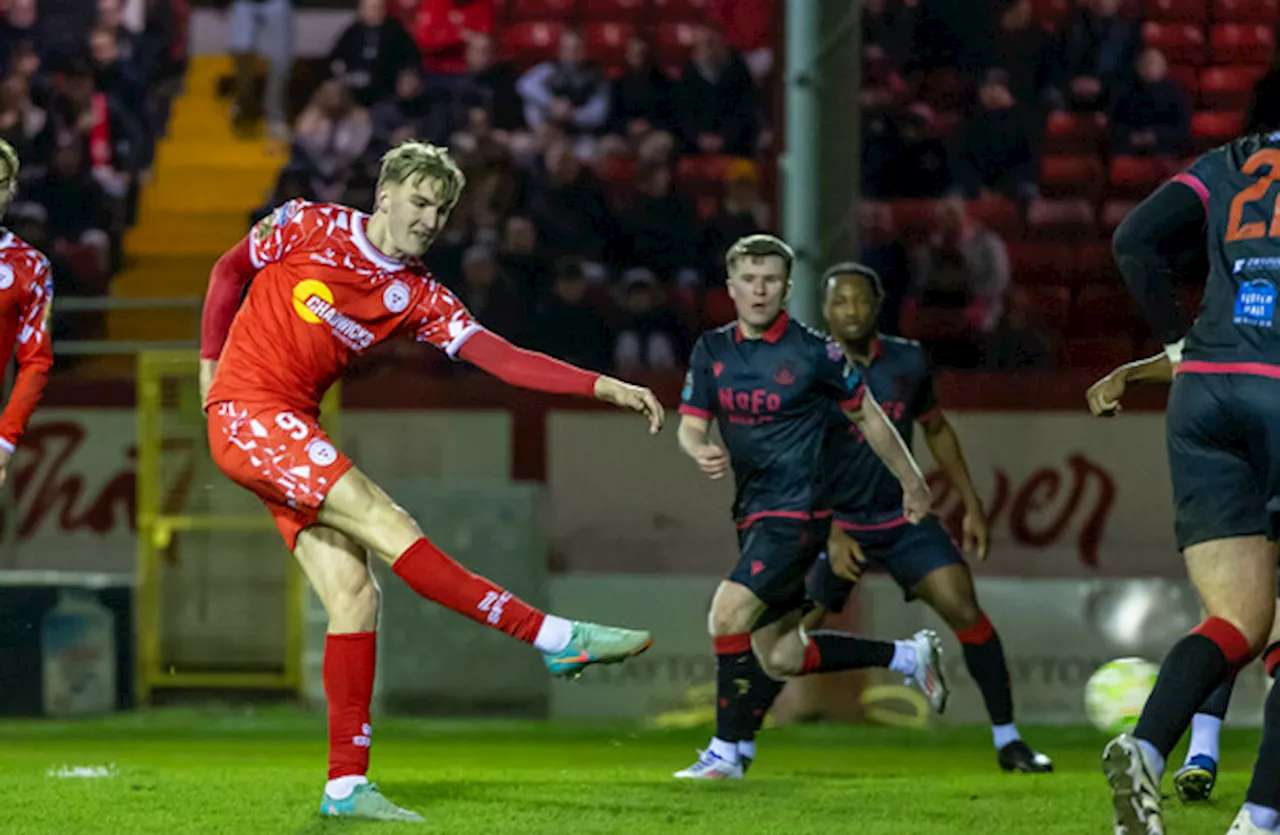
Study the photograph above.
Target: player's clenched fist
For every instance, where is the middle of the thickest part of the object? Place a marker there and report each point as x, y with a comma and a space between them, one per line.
916, 501
636, 398
712, 460
844, 555
1104, 396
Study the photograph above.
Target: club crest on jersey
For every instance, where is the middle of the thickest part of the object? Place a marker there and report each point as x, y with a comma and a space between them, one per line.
784, 376
321, 453
313, 302
6, 276
396, 297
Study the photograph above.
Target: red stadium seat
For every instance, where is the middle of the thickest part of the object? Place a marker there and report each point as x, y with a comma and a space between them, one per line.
1242, 43
1049, 13
672, 42
1049, 304
1210, 128
693, 10
945, 123
1229, 88
1187, 77
1041, 262
1068, 132
1114, 211
1246, 11
606, 43
541, 9
997, 214
1178, 11
1181, 43
1071, 176
1056, 220
531, 41
1138, 176
717, 308
1098, 354
1104, 309
622, 10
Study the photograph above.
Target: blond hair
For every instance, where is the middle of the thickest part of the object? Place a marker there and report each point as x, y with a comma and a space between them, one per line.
759, 246
413, 161
10, 158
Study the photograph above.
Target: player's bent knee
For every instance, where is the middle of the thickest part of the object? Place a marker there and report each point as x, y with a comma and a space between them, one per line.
784, 659
734, 610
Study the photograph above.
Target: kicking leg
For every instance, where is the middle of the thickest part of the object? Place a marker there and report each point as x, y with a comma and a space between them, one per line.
1195, 780
949, 592
360, 509
336, 568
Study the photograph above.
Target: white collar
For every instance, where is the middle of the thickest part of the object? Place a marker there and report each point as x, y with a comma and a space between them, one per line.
368, 250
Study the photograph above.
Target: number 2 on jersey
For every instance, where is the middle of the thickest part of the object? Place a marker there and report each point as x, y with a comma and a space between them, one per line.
1236, 229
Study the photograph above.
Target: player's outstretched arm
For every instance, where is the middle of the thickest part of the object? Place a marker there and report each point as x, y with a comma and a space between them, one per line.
944, 445
889, 446
1104, 396
694, 437
539, 372
227, 281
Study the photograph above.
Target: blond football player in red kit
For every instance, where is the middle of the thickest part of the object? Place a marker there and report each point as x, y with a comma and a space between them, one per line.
328, 282
26, 299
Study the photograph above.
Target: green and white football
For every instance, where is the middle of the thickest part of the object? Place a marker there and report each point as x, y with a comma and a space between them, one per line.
1116, 692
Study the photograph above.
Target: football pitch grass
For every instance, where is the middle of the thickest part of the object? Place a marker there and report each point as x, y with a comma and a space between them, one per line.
239, 771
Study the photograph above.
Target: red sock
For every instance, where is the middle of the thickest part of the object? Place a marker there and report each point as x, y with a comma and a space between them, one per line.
348, 683
431, 573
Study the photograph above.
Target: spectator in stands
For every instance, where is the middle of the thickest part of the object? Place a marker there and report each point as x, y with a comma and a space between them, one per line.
568, 326
489, 84
19, 26
1096, 50
409, 114
494, 186
371, 53
742, 211
25, 127
569, 94
1020, 342
715, 99
293, 182
658, 227
121, 80
883, 252
1151, 115
488, 295
647, 336
903, 158
111, 140
749, 27
444, 29
889, 25
333, 133
111, 18
521, 260
956, 35
958, 281
79, 213
884, 91
999, 147
641, 99
567, 203
265, 25
1024, 51
25, 64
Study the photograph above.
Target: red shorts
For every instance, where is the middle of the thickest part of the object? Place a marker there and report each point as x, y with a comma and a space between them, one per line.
283, 457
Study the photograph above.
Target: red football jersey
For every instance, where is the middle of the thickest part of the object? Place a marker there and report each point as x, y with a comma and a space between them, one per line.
26, 298
322, 294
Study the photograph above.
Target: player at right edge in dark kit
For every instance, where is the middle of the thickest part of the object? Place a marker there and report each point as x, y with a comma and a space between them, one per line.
867, 500
770, 383
1223, 437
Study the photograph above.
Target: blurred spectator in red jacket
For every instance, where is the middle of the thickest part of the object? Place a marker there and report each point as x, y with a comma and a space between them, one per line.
748, 27
444, 27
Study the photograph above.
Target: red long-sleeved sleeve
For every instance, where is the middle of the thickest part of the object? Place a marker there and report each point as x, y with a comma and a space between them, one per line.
35, 358
526, 369
233, 271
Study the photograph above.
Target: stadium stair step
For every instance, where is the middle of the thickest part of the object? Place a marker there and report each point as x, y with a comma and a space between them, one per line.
206, 182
